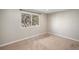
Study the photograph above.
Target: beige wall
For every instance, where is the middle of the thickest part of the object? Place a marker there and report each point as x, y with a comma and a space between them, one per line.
11, 29
64, 23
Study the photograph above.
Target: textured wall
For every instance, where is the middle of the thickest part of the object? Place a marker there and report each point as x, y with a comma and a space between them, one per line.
11, 29
64, 23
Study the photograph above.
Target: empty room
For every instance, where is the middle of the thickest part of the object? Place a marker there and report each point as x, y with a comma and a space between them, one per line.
39, 29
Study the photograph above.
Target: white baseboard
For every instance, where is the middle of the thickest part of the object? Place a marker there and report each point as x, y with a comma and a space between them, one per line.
5, 44
64, 36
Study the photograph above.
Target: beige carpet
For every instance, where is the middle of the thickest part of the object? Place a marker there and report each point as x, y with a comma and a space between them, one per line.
47, 42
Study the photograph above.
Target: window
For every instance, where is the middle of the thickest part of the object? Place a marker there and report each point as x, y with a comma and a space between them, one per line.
26, 20
29, 20
35, 20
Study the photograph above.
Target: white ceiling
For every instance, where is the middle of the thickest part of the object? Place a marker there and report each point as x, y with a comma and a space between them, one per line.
47, 11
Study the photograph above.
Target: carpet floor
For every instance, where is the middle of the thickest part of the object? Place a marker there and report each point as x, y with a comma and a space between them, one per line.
47, 42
